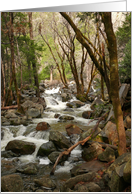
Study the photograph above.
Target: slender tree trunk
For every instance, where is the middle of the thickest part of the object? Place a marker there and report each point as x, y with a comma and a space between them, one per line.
3, 84
102, 87
19, 59
13, 61
33, 58
114, 81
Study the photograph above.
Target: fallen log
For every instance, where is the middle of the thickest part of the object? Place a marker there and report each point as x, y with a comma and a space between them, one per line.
9, 107
82, 142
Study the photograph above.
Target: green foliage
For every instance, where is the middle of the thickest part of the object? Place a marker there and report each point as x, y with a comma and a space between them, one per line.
124, 41
45, 73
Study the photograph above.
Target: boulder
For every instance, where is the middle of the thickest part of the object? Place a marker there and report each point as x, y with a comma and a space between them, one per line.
9, 154
73, 129
70, 183
20, 147
41, 89
87, 114
42, 126
127, 172
30, 168
8, 166
46, 148
45, 181
33, 113
54, 155
11, 183
66, 97
107, 156
80, 188
75, 104
66, 118
59, 140
88, 132
111, 132
92, 151
93, 187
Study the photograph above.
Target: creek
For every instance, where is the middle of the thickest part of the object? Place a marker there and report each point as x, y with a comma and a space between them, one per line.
28, 133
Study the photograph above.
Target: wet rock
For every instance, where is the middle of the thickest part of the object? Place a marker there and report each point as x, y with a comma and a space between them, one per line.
33, 113
59, 140
127, 122
75, 104
74, 138
92, 152
20, 147
11, 183
46, 148
27, 104
111, 132
93, 187
45, 181
56, 115
69, 110
128, 137
87, 114
66, 118
107, 156
8, 167
54, 155
66, 97
42, 126
73, 129
30, 168
9, 154
2, 134
127, 172
73, 181
11, 115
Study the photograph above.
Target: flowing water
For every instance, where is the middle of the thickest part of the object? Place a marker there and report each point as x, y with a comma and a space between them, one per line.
28, 133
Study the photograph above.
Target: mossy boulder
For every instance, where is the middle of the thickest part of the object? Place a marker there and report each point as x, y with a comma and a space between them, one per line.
46, 148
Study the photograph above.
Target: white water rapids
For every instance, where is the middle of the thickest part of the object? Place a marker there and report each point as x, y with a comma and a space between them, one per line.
54, 105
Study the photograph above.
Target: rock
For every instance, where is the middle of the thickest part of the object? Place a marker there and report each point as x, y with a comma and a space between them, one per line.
45, 181
56, 115
8, 167
59, 140
88, 132
127, 172
128, 137
74, 180
127, 122
117, 183
87, 114
9, 154
2, 134
11, 115
74, 138
75, 104
20, 147
11, 183
86, 167
118, 162
26, 105
68, 110
41, 89
93, 187
36, 111
30, 168
66, 97
72, 129
54, 155
97, 101
111, 133
80, 188
92, 152
42, 126
66, 118
107, 156
46, 148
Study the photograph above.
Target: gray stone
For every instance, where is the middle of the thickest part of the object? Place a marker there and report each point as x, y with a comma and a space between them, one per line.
54, 155
46, 148
107, 156
127, 172
93, 187
45, 181
59, 140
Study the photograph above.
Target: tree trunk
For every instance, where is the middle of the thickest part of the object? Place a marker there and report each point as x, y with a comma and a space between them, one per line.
33, 58
114, 81
13, 61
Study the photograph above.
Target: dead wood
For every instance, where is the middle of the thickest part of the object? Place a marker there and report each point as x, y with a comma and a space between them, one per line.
9, 107
68, 151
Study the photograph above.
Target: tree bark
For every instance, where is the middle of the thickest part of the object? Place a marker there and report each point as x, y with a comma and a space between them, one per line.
114, 81
33, 58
